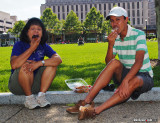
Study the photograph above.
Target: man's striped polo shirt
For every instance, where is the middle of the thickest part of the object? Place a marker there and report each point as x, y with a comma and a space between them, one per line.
134, 41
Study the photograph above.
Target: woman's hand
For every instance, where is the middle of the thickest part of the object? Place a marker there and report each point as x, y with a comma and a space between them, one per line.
30, 66
34, 43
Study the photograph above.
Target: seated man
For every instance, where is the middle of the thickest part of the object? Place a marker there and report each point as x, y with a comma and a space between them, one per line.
132, 72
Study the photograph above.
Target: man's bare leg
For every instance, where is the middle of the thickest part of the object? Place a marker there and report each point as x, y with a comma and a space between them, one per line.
114, 67
135, 83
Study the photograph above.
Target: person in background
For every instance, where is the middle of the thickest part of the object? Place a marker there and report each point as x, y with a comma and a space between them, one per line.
132, 72
30, 73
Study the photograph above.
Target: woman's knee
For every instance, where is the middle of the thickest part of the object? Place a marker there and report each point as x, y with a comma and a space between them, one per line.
51, 69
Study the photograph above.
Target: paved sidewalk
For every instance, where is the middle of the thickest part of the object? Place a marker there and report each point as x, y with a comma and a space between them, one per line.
129, 112
147, 107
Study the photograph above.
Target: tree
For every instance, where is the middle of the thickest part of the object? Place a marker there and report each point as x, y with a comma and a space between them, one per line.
93, 20
106, 27
93, 23
19, 25
72, 24
157, 6
49, 19
51, 22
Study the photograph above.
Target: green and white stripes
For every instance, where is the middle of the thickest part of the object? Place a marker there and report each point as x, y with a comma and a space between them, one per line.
134, 41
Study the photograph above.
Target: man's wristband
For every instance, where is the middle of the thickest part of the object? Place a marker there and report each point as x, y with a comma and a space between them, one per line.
43, 62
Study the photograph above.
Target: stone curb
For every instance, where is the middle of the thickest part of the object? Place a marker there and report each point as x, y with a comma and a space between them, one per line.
66, 97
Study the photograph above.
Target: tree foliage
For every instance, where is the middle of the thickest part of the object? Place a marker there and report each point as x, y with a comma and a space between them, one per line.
50, 20
93, 20
19, 25
72, 24
106, 27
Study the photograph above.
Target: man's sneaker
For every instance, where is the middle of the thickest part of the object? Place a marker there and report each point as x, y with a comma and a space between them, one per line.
43, 102
135, 95
86, 112
75, 109
31, 103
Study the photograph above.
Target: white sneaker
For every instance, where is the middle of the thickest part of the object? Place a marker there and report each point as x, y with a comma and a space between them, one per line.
42, 101
31, 103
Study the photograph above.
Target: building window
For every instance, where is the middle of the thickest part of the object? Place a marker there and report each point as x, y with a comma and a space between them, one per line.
90, 6
137, 13
99, 6
58, 8
132, 5
137, 5
67, 8
133, 13
1, 20
128, 13
104, 6
104, 14
53, 8
63, 16
76, 7
138, 21
72, 7
8, 22
124, 5
128, 5
86, 8
118, 4
109, 6
62, 8
58, 16
81, 7
133, 21
81, 16
95, 5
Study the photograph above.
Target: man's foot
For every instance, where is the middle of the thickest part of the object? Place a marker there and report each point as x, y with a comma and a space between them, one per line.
43, 102
135, 95
75, 109
31, 103
86, 112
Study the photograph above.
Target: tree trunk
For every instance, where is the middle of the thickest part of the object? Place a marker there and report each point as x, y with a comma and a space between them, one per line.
157, 6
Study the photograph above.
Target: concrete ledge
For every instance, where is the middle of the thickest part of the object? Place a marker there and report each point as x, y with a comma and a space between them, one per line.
65, 97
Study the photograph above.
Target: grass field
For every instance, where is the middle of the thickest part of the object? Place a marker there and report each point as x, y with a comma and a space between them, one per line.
85, 62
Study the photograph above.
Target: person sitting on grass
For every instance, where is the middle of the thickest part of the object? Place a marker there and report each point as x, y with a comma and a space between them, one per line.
132, 72
30, 73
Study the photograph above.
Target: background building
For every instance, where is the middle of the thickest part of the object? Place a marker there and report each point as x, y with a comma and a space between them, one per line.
6, 21
140, 12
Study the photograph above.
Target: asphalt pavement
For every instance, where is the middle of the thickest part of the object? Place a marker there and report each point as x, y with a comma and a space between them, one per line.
129, 112
145, 109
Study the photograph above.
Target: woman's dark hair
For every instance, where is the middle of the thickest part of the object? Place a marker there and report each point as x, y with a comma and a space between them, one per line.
33, 21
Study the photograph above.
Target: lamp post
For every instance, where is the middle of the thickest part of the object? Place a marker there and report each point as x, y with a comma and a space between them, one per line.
146, 28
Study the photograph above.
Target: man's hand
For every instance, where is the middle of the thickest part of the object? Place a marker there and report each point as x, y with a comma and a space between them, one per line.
112, 37
123, 89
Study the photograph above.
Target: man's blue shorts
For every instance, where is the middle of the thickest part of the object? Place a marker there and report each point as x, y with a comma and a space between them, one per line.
147, 82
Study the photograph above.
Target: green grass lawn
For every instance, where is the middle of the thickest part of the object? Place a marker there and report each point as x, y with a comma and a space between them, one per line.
85, 62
